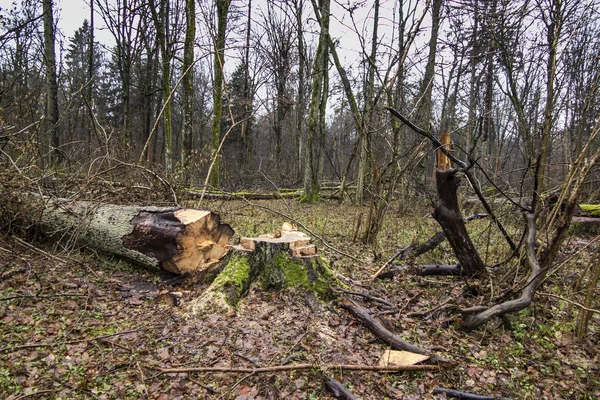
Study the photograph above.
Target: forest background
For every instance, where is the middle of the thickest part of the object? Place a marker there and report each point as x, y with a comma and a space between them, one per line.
298, 99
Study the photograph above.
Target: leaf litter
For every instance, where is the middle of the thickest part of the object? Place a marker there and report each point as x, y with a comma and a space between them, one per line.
68, 333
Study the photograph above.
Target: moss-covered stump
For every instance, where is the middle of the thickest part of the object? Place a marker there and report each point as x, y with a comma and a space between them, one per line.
274, 262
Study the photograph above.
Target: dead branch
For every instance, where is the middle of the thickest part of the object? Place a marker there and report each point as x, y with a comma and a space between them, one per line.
536, 275
338, 390
297, 367
382, 332
460, 395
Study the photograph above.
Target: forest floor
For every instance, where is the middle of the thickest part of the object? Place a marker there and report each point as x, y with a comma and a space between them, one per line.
78, 325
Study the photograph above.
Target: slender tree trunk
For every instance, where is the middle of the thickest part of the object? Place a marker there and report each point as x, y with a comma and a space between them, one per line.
187, 128
246, 123
51, 109
162, 23
425, 102
301, 95
365, 140
554, 27
219, 61
316, 121
91, 79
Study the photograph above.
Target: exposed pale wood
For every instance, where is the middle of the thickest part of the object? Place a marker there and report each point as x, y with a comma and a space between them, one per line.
297, 241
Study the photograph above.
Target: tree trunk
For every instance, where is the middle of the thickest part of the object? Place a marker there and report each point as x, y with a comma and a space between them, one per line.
51, 110
448, 215
316, 117
187, 115
219, 61
174, 239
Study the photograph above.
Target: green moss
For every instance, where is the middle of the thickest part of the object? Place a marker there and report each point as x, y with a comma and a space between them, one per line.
286, 272
234, 278
591, 209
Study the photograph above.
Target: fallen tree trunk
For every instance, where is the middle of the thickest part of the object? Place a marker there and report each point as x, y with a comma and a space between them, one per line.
178, 240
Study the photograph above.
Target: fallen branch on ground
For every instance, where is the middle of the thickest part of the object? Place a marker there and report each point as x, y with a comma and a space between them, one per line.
338, 390
296, 367
382, 332
460, 395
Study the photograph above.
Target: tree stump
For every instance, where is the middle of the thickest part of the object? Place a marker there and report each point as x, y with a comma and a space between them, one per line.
277, 261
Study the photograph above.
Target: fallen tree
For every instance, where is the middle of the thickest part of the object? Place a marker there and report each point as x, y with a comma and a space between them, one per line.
177, 240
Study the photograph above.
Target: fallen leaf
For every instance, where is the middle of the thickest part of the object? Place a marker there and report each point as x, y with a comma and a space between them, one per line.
163, 353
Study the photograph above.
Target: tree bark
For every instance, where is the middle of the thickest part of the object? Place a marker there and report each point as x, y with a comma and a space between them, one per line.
174, 239
448, 215
187, 116
51, 109
316, 113
219, 61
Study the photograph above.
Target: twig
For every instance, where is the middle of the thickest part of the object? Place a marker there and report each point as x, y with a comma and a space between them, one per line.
578, 305
296, 367
369, 297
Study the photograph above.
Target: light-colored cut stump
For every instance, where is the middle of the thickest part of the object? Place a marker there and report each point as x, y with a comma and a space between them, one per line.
271, 262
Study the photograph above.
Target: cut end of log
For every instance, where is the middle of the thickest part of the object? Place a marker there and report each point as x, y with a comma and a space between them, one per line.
183, 240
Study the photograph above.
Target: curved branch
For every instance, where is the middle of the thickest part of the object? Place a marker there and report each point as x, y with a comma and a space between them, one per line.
536, 274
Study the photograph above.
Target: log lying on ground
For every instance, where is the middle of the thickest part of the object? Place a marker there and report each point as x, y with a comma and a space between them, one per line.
277, 261
177, 240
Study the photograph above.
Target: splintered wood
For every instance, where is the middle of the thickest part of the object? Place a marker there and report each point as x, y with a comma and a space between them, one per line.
443, 162
298, 242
